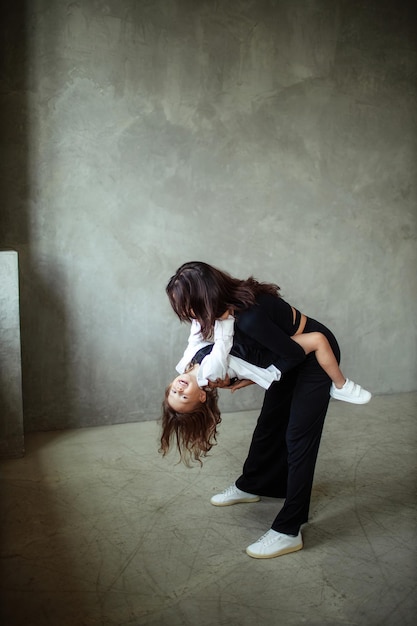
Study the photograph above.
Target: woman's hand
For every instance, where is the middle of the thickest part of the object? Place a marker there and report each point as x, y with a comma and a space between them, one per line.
226, 314
240, 384
225, 384
221, 384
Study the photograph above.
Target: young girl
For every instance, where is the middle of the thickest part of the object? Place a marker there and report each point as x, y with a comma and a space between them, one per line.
191, 393
190, 412
216, 364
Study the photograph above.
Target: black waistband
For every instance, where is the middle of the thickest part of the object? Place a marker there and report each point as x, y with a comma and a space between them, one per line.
297, 320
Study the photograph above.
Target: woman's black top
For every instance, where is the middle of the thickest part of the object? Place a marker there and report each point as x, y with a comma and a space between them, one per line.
263, 334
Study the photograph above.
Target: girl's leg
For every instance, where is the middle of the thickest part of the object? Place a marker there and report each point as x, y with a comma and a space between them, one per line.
342, 388
318, 343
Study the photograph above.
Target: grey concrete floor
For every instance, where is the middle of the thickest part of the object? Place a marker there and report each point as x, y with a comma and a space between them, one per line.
98, 528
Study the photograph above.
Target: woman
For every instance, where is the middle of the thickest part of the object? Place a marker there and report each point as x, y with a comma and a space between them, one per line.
285, 443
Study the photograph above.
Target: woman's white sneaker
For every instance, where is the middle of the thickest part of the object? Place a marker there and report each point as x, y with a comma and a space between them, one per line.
350, 392
274, 544
233, 495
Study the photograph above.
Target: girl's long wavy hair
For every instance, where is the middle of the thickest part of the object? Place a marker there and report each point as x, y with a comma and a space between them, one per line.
194, 433
201, 291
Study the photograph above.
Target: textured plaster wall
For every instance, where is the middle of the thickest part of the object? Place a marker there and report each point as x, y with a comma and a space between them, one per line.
11, 412
274, 138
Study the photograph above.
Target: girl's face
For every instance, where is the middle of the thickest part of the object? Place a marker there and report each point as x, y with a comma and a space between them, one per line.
184, 393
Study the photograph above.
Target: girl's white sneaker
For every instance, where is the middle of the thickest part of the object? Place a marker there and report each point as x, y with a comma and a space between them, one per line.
350, 392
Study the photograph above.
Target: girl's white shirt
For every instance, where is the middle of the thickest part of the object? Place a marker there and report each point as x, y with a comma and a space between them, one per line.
220, 362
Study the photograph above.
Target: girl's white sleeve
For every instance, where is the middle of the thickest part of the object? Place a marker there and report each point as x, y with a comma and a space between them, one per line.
195, 343
215, 364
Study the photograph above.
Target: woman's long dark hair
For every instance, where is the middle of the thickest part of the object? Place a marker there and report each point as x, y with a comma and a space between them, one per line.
201, 291
194, 433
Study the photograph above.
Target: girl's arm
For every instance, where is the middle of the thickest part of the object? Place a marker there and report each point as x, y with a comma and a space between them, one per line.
195, 343
215, 365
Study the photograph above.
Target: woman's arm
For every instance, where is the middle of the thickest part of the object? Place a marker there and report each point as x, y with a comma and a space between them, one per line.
232, 386
239, 384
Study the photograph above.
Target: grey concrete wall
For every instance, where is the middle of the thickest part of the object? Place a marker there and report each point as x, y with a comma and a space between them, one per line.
274, 138
11, 405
